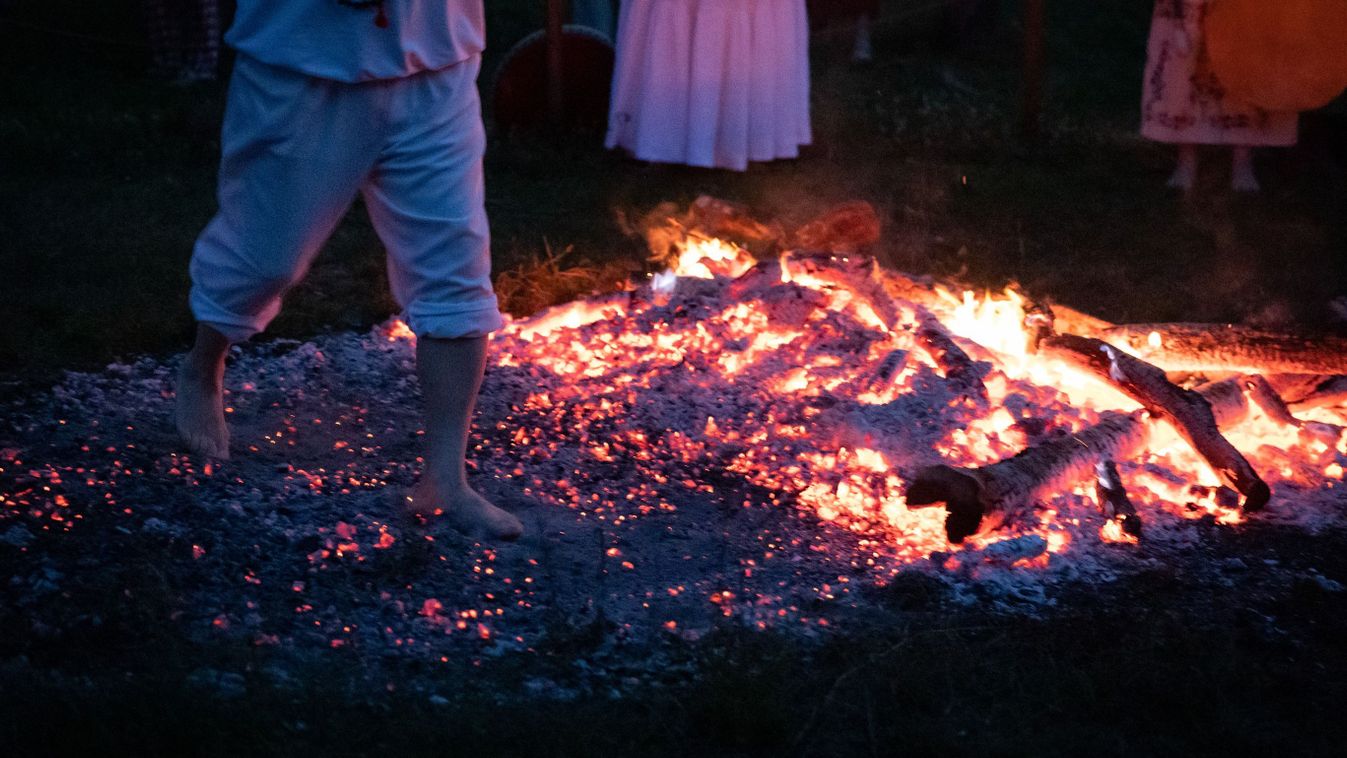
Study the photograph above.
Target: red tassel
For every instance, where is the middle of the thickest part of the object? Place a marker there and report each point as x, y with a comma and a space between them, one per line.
381, 18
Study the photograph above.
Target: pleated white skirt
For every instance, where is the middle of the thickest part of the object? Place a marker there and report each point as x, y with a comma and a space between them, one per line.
712, 83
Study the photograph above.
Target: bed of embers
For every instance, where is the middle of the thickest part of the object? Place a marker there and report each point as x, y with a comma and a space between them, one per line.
765, 442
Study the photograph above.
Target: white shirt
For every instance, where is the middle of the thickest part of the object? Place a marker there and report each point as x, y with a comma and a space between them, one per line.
326, 39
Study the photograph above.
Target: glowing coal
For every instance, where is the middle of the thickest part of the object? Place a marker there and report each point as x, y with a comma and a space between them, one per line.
737, 440
815, 381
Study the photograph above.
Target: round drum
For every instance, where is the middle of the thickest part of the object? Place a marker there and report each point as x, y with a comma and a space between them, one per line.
520, 101
1279, 55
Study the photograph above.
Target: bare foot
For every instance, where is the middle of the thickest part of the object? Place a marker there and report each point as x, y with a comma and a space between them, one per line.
1243, 179
465, 510
1183, 178
199, 413
1242, 176
1185, 173
861, 51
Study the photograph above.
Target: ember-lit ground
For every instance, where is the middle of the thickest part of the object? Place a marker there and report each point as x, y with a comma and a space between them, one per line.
709, 459
698, 454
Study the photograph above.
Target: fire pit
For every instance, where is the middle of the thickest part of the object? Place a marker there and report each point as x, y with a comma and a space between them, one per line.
765, 440
864, 395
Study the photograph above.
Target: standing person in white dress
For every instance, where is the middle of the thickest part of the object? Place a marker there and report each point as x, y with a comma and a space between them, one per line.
1183, 103
330, 98
711, 83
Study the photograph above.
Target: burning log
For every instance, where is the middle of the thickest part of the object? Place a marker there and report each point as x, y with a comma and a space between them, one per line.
1189, 412
1040, 322
863, 277
889, 368
1108, 488
978, 499
1233, 399
962, 372
1230, 348
1306, 392
1072, 321
857, 274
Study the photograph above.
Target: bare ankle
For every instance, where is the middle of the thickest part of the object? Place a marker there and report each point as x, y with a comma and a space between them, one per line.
206, 359
201, 371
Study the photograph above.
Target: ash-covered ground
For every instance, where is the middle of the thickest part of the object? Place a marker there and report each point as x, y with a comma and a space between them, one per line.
680, 466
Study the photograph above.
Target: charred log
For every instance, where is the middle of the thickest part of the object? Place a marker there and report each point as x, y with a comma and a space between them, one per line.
1227, 347
1306, 392
979, 499
857, 273
889, 368
1040, 322
864, 277
961, 371
1187, 410
1072, 321
1108, 488
1233, 400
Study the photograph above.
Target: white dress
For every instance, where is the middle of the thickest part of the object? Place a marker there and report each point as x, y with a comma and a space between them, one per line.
712, 83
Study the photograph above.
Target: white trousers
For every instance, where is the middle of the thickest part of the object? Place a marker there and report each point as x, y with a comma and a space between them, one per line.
296, 149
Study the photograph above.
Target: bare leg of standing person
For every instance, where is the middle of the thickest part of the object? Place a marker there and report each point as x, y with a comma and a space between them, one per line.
450, 371
199, 414
1185, 173
1242, 176
862, 51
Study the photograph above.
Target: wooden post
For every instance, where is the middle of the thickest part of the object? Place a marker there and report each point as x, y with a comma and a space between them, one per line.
1031, 102
556, 93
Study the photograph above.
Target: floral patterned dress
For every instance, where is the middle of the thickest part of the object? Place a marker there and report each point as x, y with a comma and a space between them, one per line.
1183, 102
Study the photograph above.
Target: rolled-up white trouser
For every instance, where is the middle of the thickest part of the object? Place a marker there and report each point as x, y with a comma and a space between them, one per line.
296, 149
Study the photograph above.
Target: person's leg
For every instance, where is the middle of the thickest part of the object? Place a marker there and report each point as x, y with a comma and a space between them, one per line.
450, 371
862, 51
293, 155
427, 200
1185, 173
1242, 176
199, 413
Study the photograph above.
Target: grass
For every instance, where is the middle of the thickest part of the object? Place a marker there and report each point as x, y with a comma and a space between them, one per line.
107, 177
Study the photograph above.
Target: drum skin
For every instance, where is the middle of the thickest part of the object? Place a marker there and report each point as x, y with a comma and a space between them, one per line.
1279, 55
520, 91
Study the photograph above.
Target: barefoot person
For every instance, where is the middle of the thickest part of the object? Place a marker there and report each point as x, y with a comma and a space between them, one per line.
1184, 104
330, 98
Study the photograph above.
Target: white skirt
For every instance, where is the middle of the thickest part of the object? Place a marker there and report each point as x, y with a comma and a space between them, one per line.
712, 83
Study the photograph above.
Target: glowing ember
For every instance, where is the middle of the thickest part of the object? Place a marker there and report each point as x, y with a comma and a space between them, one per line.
736, 440
775, 381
